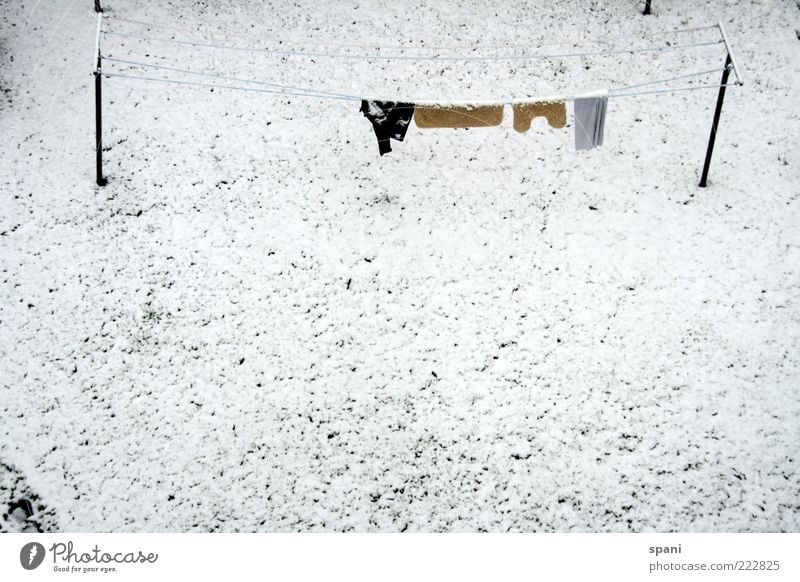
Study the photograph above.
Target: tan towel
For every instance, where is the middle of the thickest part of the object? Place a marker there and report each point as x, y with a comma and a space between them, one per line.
554, 111
466, 116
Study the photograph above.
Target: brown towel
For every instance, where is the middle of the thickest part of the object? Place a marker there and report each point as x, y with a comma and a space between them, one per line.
466, 116
554, 111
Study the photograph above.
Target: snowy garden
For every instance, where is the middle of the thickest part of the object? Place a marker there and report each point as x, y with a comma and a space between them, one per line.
260, 323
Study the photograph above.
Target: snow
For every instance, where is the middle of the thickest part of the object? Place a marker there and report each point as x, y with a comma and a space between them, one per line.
262, 325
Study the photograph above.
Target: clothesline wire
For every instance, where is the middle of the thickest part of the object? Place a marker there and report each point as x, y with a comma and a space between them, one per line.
676, 78
301, 93
321, 93
225, 77
657, 91
306, 42
311, 93
413, 58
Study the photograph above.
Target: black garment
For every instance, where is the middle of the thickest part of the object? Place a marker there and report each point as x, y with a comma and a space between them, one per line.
389, 120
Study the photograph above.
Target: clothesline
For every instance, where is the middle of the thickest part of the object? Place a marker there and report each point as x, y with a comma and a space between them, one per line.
299, 92
306, 42
414, 58
676, 78
391, 118
658, 91
224, 77
338, 95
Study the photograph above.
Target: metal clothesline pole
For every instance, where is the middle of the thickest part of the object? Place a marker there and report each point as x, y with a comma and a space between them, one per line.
730, 65
98, 106
717, 112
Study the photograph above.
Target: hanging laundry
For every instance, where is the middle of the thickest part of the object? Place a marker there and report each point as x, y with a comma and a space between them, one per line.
389, 119
554, 111
462, 116
590, 120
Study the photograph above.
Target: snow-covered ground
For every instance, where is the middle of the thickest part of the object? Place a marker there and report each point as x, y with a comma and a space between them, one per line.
261, 325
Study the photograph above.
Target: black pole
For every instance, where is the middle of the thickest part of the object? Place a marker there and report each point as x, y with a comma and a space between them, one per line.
713, 136
646, 7
98, 123
98, 8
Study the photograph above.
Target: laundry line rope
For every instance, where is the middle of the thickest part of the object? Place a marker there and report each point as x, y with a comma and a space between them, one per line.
676, 78
359, 56
306, 42
677, 90
321, 93
299, 92
225, 77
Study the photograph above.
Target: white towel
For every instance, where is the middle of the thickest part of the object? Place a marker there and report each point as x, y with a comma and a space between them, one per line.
590, 120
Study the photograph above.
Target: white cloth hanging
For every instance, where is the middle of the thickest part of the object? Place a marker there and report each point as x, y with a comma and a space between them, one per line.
590, 120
